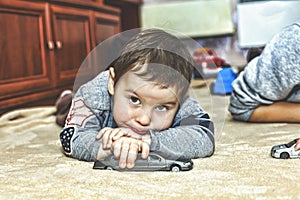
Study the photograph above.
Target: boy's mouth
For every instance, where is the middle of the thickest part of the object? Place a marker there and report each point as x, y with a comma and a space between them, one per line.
144, 132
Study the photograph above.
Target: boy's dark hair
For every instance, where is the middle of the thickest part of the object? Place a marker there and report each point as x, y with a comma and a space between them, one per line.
168, 61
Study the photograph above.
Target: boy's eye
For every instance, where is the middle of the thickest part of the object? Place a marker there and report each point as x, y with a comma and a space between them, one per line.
134, 100
161, 108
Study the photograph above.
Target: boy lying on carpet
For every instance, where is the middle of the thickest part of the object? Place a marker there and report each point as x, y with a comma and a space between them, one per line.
268, 89
140, 104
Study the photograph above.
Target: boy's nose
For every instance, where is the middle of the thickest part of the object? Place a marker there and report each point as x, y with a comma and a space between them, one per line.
144, 117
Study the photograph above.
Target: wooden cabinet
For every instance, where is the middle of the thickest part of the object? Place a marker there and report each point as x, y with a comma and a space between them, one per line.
42, 46
130, 15
72, 41
105, 26
24, 60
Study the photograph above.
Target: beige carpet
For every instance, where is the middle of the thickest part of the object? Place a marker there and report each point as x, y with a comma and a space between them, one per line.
32, 166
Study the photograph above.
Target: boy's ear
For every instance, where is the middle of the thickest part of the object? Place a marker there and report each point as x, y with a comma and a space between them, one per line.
111, 81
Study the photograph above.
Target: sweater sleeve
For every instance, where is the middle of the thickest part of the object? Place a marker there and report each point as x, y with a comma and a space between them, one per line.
84, 121
191, 136
270, 77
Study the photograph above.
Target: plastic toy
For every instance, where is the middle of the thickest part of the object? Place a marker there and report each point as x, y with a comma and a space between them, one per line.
223, 82
285, 151
154, 162
207, 63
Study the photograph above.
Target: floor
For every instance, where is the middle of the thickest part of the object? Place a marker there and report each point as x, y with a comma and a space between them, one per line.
33, 167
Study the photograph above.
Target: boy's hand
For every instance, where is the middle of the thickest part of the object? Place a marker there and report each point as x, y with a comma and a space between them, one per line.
126, 150
298, 145
109, 135
124, 144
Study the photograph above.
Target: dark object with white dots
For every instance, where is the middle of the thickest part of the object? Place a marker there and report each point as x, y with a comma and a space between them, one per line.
65, 138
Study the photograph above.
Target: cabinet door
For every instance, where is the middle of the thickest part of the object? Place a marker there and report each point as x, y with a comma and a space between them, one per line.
23, 60
72, 40
105, 25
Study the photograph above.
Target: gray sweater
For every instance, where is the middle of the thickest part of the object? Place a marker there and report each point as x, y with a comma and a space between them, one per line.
273, 76
190, 136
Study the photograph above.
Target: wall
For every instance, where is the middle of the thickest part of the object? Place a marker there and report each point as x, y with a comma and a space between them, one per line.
226, 46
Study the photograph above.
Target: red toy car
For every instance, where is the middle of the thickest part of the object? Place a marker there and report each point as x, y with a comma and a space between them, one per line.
207, 63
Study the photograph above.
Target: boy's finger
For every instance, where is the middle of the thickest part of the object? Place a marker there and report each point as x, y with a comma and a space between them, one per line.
119, 134
123, 155
101, 132
99, 135
145, 150
105, 137
298, 145
132, 155
115, 132
110, 137
116, 149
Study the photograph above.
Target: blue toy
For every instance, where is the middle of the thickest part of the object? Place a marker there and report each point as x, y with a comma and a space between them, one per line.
223, 81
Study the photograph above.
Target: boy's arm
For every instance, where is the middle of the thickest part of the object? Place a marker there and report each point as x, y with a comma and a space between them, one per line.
191, 136
277, 112
78, 137
269, 78
89, 113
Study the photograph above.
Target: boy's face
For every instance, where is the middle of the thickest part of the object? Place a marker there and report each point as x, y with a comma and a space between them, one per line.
142, 105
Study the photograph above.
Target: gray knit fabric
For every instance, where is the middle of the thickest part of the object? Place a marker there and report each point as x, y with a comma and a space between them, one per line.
273, 76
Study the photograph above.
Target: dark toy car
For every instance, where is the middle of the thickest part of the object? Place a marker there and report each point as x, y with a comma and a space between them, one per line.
285, 151
154, 162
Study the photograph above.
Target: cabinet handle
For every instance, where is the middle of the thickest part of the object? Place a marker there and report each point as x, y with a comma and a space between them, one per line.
58, 44
50, 45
